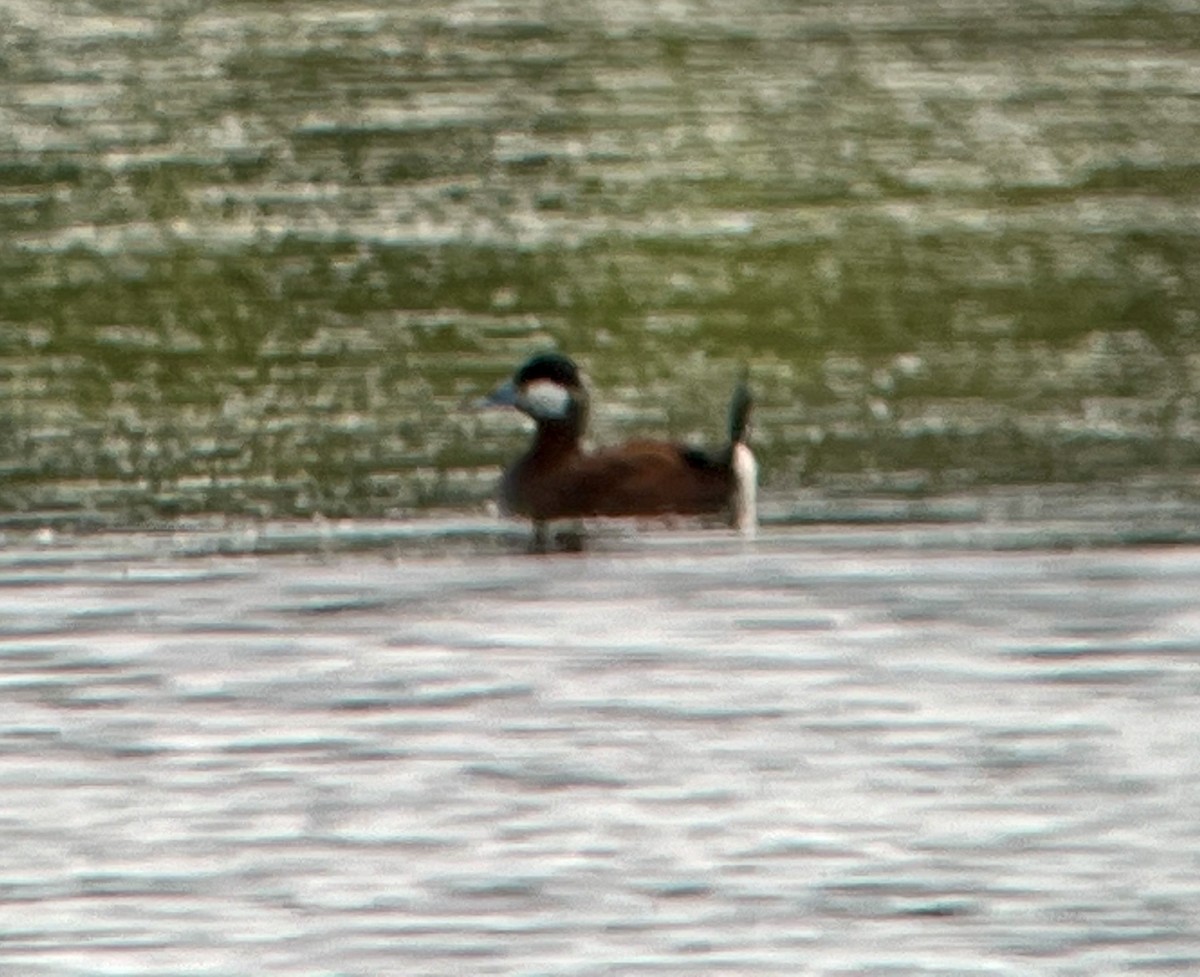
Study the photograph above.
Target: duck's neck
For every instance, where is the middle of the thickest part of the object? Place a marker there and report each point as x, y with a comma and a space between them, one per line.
556, 439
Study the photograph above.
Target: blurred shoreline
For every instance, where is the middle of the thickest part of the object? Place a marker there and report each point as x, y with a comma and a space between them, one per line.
255, 257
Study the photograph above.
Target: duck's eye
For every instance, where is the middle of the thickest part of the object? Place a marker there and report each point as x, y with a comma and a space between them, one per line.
545, 400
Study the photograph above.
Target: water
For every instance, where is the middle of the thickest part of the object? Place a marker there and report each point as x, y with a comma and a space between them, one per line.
254, 258
953, 747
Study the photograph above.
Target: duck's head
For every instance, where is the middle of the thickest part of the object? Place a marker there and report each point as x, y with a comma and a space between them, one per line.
548, 388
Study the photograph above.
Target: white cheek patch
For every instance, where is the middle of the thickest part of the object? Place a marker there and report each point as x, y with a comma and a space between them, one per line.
544, 400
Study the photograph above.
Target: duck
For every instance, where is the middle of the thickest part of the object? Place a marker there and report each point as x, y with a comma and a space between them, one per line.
557, 478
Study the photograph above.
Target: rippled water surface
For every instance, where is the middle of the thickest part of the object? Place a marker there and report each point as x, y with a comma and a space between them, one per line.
885, 749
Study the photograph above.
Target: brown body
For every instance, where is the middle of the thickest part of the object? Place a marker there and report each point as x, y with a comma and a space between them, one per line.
556, 479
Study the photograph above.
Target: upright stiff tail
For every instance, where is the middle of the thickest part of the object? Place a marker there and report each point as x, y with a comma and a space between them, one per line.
739, 411
743, 501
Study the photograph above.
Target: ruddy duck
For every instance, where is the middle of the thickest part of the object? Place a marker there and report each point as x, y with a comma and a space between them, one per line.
557, 479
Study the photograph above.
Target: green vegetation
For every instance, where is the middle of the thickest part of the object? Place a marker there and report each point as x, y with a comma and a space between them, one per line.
268, 282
